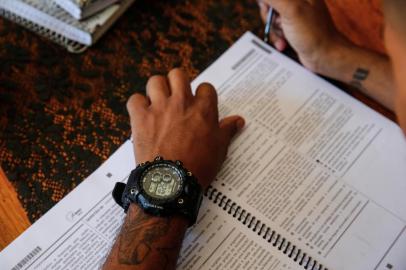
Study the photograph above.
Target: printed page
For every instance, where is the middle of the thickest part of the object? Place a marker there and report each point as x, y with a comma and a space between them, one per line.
76, 233
313, 163
219, 241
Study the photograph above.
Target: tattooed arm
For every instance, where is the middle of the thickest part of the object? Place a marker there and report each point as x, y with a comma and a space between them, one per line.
147, 242
171, 122
370, 72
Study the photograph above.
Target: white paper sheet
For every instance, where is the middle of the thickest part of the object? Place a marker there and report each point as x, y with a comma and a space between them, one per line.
321, 168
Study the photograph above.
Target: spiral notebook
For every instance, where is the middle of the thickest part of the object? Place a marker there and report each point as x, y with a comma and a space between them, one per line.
47, 19
316, 180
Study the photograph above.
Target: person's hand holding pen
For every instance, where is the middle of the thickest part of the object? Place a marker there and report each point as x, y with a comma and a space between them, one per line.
306, 26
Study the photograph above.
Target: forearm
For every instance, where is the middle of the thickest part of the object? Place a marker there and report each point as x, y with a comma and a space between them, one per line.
370, 72
147, 242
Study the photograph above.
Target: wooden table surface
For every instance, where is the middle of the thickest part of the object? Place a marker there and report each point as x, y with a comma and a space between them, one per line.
13, 219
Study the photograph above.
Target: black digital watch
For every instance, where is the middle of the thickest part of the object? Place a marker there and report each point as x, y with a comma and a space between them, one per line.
161, 188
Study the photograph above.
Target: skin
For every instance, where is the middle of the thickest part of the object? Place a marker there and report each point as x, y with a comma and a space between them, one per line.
171, 122
308, 28
395, 44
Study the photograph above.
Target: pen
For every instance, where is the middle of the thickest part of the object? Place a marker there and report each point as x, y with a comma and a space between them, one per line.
268, 24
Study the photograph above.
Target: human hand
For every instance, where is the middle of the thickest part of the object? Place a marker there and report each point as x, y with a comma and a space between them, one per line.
307, 26
173, 123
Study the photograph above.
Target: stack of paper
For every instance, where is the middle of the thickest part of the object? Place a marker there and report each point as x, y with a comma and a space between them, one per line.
81, 9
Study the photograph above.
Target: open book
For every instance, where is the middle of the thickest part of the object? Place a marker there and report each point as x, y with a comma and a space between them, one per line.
315, 181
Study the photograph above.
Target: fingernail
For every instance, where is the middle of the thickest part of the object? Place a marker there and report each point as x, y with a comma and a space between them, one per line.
240, 123
279, 45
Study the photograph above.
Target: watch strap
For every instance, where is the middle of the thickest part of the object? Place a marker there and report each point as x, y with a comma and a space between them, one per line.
118, 193
191, 207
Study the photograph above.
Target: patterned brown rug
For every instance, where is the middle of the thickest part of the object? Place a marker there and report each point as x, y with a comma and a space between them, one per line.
62, 115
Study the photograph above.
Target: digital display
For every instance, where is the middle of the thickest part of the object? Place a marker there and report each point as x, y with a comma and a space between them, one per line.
161, 181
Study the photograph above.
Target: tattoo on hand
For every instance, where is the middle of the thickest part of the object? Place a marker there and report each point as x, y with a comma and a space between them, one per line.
360, 75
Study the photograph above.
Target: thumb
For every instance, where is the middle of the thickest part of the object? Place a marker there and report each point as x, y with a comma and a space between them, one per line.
230, 126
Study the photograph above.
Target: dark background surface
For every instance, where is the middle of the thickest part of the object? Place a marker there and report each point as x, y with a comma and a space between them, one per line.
62, 115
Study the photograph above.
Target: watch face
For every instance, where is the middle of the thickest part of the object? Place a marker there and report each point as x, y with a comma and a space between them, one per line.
161, 181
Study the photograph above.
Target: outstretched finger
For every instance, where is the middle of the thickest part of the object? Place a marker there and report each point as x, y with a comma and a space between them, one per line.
229, 127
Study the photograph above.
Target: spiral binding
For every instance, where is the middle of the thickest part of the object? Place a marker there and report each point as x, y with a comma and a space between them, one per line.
70, 45
257, 226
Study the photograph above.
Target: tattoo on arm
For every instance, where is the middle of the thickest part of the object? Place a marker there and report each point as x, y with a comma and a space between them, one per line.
143, 231
360, 75
147, 242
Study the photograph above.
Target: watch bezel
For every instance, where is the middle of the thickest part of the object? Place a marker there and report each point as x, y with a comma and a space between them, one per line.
186, 202
144, 197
